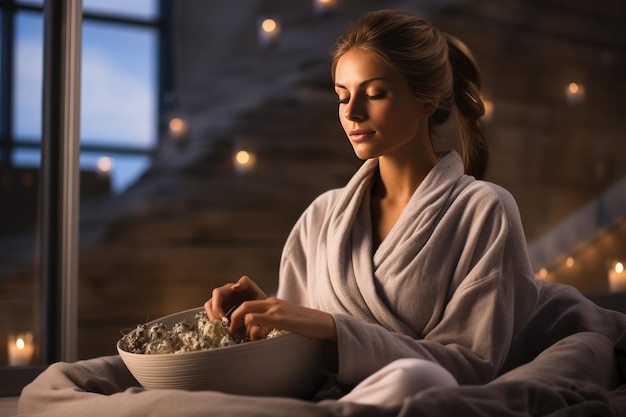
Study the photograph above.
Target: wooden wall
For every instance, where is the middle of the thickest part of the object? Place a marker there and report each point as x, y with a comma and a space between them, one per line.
194, 221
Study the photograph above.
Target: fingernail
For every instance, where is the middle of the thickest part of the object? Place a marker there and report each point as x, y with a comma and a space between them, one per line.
235, 286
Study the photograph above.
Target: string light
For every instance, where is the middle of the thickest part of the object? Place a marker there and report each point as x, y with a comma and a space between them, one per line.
178, 128
575, 93
105, 165
269, 32
244, 161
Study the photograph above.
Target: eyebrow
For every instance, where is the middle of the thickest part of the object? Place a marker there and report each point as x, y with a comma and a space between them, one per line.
364, 82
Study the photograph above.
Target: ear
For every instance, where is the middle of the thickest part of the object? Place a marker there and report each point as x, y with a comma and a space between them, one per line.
430, 108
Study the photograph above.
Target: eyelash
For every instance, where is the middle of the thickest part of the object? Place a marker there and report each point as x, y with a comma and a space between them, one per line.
374, 97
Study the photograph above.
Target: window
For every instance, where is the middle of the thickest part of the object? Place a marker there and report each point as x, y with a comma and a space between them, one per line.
120, 96
119, 92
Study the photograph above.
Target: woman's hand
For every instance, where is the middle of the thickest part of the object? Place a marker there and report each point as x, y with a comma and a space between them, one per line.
229, 295
261, 316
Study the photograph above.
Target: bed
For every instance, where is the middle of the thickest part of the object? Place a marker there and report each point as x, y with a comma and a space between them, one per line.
580, 370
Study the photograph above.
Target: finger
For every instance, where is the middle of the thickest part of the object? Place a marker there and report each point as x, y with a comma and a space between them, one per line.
216, 303
258, 332
239, 317
244, 283
208, 307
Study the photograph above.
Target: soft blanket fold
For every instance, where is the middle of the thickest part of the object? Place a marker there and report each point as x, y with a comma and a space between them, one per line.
547, 386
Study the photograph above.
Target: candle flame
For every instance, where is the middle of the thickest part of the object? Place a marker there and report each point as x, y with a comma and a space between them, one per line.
619, 267
20, 343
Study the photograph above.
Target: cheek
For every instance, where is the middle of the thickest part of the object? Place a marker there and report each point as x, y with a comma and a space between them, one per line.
342, 120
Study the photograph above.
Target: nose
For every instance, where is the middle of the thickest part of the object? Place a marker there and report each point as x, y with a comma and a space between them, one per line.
354, 110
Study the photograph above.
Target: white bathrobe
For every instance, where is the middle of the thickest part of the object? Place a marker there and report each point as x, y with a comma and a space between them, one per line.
450, 283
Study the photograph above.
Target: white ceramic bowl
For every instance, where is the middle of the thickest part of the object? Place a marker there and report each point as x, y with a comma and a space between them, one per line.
286, 366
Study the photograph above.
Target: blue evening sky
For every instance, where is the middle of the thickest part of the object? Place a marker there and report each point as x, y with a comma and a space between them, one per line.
118, 87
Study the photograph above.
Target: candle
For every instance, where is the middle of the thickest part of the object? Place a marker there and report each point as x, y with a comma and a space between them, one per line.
617, 277
20, 348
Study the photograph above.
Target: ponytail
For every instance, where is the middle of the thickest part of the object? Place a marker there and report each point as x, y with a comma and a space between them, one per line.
469, 108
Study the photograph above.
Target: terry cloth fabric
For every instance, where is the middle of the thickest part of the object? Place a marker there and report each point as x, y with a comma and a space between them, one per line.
451, 282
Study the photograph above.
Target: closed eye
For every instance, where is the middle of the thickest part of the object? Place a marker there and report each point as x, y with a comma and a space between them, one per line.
343, 100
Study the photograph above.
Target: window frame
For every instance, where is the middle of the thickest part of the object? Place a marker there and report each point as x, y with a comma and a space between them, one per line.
59, 248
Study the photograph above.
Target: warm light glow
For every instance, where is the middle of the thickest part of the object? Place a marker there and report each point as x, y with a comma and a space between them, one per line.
105, 165
178, 127
542, 274
323, 7
569, 262
20, 349
242, 157
617, 277
269, 32
269, 25
575, 93
244, 161
488, 109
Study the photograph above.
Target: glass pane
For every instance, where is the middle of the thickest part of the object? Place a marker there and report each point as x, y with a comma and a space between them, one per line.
119, 85
31, 2
28, 70
19, 280
118, 171
145, 9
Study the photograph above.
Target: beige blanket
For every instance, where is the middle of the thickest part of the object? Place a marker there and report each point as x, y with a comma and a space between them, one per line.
550, 385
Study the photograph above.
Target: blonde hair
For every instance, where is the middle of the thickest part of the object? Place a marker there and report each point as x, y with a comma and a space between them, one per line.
438, 68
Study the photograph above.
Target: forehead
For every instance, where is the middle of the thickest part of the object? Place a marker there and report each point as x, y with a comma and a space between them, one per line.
358, 65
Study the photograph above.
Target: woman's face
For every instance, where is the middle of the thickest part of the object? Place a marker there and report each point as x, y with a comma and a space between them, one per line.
377, 110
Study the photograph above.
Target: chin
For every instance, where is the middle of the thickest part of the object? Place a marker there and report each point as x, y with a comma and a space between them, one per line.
364, 156
363, 152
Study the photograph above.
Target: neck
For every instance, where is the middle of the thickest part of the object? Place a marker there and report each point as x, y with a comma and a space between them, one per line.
399, 177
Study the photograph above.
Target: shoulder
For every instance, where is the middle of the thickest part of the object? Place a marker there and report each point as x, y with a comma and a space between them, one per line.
322, 203
318, 209
485, 194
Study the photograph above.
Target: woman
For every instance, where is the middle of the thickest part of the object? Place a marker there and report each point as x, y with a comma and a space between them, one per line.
416, 271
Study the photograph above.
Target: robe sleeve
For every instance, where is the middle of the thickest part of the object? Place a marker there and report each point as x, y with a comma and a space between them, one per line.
294, 269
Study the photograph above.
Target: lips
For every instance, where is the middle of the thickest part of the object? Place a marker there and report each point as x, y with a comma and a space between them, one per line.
360, 134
